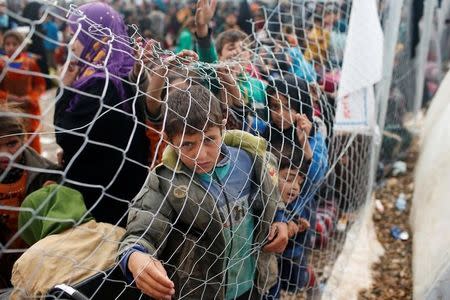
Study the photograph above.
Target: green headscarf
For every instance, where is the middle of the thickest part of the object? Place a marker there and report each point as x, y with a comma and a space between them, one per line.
51, 210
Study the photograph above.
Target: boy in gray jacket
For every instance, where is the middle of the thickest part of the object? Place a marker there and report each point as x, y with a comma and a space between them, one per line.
210, 218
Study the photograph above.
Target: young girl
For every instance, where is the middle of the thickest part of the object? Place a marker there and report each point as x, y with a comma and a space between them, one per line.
19, 89
16, 182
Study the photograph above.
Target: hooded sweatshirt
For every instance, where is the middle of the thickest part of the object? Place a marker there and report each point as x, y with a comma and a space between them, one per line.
68, 245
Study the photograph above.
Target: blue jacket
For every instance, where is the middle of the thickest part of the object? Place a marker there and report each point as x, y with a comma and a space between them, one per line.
304, 206
51, 31
300, 66
314, 177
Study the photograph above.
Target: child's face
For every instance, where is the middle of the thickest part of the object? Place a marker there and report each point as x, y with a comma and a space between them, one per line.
289, 183
11, 44
200, 151
8, 146
282, 116
231, 20
292, 40
231, 50
328, 19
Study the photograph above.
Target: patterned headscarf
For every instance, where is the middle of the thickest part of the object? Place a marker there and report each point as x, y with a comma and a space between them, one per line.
103, 34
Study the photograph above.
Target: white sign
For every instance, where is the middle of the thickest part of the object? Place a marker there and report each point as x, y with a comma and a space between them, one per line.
361, 69
356, 111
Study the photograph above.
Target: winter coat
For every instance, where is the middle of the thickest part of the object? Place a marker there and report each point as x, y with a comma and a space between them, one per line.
178, 221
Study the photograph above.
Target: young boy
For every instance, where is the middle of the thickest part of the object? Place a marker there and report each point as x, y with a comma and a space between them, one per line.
290, 129
22, 90
16, 182
290, 120
230, 48
291, 177
294, 272
299, 66
207, 211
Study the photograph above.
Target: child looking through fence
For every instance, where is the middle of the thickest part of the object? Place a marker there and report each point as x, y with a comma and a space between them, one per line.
210, 211
294, 270
16, 182
22, 90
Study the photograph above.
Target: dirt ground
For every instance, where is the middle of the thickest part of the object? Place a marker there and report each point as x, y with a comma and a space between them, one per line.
393, 274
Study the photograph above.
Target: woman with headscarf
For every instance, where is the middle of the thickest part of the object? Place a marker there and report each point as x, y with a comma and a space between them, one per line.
100, 116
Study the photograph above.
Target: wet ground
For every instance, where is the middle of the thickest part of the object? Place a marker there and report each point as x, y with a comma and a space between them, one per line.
392, 276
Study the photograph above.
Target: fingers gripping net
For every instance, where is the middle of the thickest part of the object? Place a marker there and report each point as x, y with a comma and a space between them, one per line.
206, 216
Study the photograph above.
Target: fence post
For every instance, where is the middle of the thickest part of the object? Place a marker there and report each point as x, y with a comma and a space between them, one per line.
444, 32
423, 49
391, 30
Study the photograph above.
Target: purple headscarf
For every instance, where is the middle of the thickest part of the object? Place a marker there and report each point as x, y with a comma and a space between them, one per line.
103, 32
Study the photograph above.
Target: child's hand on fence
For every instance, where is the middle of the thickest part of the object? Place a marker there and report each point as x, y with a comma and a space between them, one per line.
150, 276
187, 56
292, 229
158, 74
303, 225
143, 55
25, 99
304, 126
278, 238
177, 63
225, 75
12, 97
19, 102
230, 87
173, 63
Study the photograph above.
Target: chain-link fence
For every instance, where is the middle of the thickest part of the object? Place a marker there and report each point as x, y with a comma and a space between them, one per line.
207, 220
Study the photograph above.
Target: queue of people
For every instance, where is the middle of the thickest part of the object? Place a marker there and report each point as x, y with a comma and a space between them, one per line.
199, 170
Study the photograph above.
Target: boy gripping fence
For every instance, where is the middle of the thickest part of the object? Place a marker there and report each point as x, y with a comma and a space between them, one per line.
207, 210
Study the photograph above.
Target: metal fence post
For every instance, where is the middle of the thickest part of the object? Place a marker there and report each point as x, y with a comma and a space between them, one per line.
391, 30
423, 49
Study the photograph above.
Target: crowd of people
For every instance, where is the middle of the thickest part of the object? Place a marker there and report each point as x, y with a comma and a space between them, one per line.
195, 146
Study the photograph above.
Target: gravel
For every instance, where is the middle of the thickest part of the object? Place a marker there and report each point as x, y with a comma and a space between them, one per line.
393, 274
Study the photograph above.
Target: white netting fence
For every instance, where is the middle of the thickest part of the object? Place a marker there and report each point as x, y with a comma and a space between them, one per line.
419, 65
208, 144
